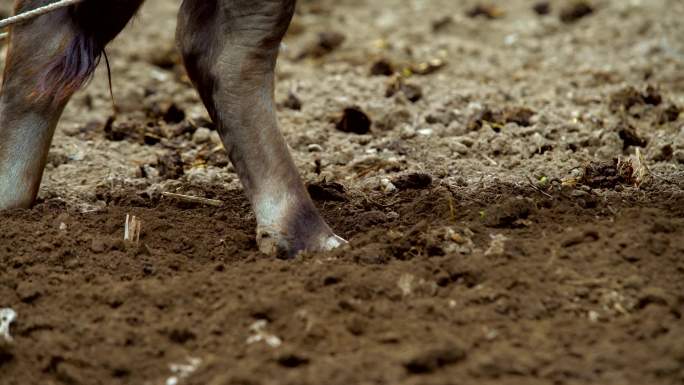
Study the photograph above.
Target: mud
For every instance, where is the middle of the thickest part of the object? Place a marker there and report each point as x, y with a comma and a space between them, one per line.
520, 222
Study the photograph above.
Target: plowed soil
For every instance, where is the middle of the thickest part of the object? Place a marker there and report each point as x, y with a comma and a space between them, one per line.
515, 209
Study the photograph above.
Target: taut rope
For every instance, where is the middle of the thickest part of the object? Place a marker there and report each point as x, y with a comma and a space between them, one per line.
32, 14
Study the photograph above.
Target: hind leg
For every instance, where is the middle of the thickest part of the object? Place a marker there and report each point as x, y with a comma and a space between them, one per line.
230, 49
48, 59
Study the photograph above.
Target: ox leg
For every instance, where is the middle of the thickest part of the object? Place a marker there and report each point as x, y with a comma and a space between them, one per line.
49, 58
230, 49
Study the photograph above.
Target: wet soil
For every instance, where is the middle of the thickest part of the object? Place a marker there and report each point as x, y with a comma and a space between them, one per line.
510, 176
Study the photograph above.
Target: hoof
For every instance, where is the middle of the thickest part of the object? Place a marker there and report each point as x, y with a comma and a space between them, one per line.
282, 245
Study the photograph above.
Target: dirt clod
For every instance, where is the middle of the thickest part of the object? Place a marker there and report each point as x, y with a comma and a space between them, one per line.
382, 67
354, 120
542, 8
327, 191
170, 165
629, 97
411, 91
608, 174
325, 43
293, 102
576, 11
415, 180
488, 11
630, 136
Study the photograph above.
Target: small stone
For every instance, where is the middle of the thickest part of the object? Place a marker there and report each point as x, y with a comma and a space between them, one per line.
215, 139
387, 186
407, 132
594, 316
7, 316
202, 135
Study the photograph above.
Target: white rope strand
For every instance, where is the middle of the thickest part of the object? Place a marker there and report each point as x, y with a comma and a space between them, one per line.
32, 14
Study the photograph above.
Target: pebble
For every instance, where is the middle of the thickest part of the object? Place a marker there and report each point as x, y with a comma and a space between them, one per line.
407, 132
387, 185
215, 138
202, 135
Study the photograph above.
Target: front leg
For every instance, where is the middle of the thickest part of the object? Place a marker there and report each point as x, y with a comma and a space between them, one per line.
230, 49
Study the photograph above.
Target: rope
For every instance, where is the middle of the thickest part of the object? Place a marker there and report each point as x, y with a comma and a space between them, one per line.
32, 14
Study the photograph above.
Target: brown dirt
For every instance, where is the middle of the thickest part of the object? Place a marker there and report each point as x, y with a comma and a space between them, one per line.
495, 236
